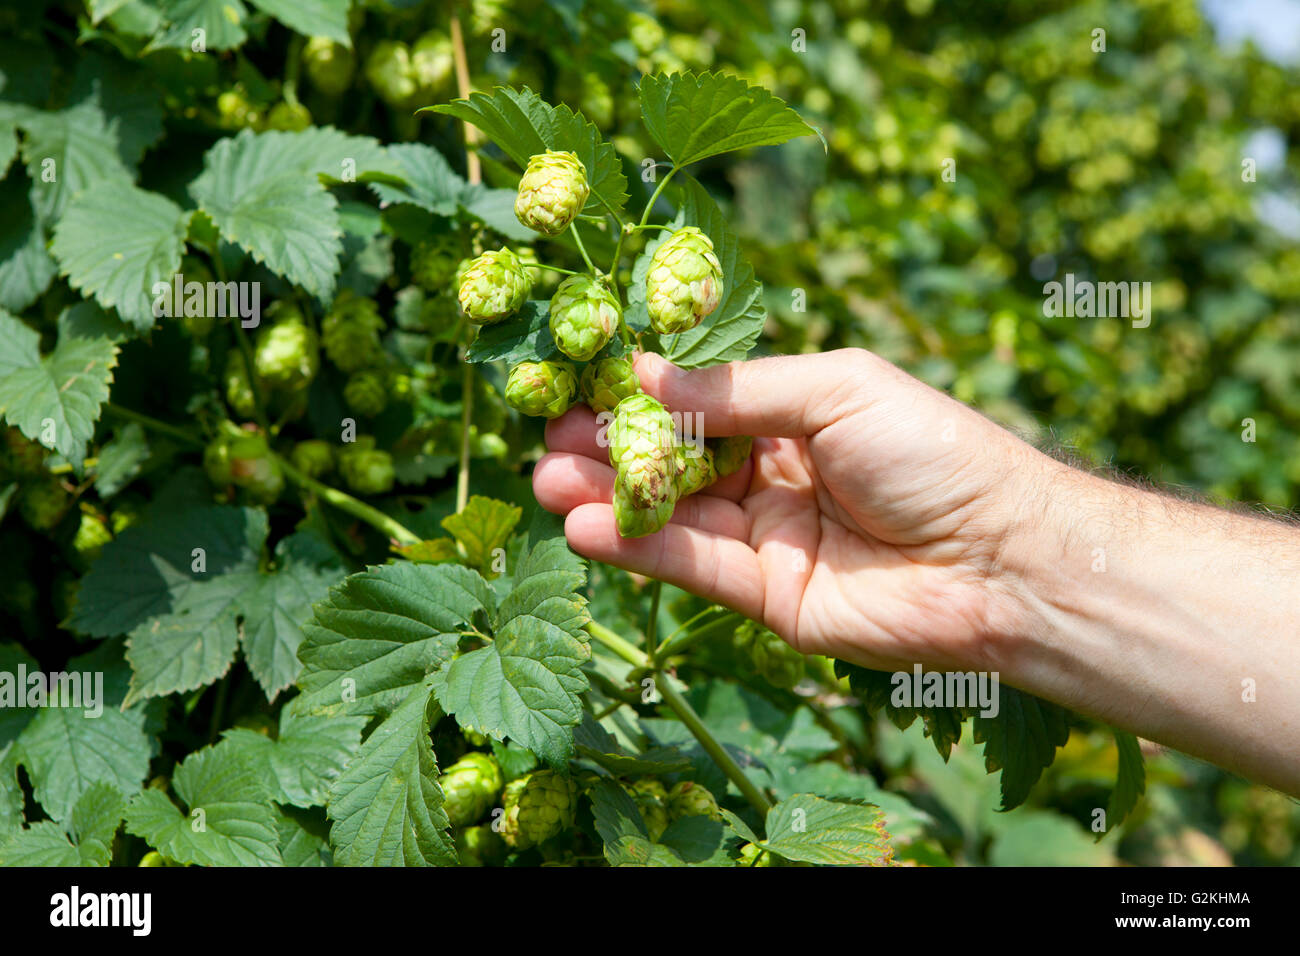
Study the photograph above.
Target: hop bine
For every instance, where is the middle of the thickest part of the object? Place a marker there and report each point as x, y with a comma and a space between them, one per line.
584, 315
493, 286
544, 389
684, 282
552, 192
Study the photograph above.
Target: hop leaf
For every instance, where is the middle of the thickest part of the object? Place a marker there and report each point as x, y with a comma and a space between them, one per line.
552, 192
493, 287
584, 315
684, 283
543, 389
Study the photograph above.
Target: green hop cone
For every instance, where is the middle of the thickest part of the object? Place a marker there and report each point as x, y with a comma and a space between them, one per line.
642, 450
684, 282
544, 389
286, 356
493, 286
606, 383
92, 534
584, 315
434, 262
236, 111
635, 520
690, 799
508, 823
312, 457
292, 117
775, 660
43, 504
366, 392
253, 467
546, 805
730, 454
469, 788
350, 332
695, 469
552, 192
751, 855
652, 800
20, 457
433, 64
366, 469
193, 317
239, 386
329, 65
479, 846
390, 72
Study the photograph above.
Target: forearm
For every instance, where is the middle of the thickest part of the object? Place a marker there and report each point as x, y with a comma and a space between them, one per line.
1176, 621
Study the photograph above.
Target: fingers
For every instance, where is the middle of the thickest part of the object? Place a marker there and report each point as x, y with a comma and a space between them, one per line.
563, 482
787, 397
717, 568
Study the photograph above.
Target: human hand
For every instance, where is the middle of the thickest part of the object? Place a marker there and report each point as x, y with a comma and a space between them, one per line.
867, 526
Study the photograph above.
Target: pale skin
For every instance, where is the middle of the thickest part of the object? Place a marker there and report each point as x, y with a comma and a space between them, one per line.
884, 523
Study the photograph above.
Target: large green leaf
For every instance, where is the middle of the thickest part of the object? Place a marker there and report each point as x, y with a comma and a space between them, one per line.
222, 23
732, 329
26, 267
228, 818
114, 243
811, 829
694, 116
185, 618
429, 181
523, 124
1020, 741
326, 18
67, 152
64, 390
306, 756
525, 683
1130, 780
387, 805
381, 631
88, 841
524, 337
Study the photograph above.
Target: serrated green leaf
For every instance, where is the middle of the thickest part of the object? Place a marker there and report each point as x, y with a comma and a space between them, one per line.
307, 755
429, 180
222, 23
811, 829
525, 684
1130, 780
597, 744
698, 841
732, 330
229, 820
66, 153
523, 124
524, 337
115, 241
1020, 741
26, 267
88, 841
66, 388
381, 631
326, 18
304, 837
432, 551
120, 460
387, 805
694, 116
495, 208
482, 527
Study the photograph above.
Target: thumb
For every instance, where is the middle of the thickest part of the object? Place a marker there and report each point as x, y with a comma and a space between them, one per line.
780, 397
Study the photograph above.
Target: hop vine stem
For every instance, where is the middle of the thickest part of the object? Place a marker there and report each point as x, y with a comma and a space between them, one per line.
346, 503
474, 173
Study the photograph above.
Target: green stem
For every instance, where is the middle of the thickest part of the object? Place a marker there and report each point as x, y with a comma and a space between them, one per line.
161, 427
466, 413
218, 708
679, 642
583, 250
346, 503
685, 713
654, 197
652, 620
542, 265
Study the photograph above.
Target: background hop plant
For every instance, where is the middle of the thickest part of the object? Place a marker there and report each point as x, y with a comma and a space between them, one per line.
350, 332
367, 470
469, 788
775, 660
242, 457
584, 315
312, 457
239, 386
288, 116
493, 286
684, 282
390, 72
286, 355
552, 192
607, 382
366, 392
43, 503
546, 805
652, 800
543, 389
690, 799
435, 262
329, 65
